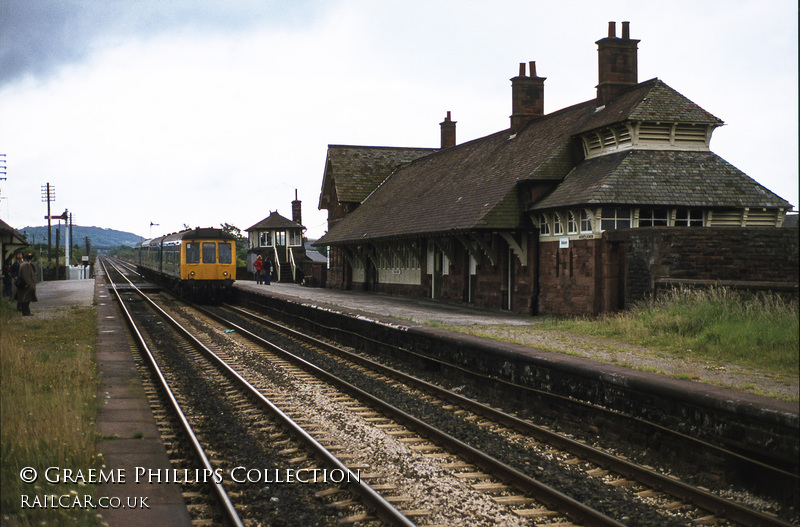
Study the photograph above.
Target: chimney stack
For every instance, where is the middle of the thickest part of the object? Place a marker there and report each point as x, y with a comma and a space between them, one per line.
527, 97
617, 64
448, 132
297, 215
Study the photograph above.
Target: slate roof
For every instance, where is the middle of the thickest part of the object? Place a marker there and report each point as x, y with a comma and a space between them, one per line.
274, 221
466, 187
650, 100
475, 185
659, 177
357, 170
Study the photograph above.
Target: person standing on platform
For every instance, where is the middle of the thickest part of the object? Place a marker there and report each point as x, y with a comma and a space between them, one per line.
14, 274
26, 291
258, 265
267, 271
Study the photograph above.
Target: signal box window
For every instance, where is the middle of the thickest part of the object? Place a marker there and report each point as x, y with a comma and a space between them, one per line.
209, 252
225, 254
192, 252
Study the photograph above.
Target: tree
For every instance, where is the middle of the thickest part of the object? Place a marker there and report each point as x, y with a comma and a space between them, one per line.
241, 242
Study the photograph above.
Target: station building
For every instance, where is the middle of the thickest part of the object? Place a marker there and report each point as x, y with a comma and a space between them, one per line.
579, 211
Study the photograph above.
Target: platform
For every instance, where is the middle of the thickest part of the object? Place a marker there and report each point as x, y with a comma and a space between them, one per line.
409, 311
504, 326
129, 436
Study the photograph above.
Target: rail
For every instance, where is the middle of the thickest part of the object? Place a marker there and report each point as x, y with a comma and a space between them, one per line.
699, 497
382, 508
229, 511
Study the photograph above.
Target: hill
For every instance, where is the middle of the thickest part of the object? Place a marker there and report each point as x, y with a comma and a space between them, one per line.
100, 237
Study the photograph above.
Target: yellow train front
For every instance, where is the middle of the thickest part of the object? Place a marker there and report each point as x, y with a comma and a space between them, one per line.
199, 263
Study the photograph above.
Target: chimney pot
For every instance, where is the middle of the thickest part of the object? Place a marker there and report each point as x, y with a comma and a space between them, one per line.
521, 69
532, 68
626, 31
612, 30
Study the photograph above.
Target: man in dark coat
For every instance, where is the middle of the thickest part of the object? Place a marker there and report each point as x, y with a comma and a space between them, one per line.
14, 274
26, 291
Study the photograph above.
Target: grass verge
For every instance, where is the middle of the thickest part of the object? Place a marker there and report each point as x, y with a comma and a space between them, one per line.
48, 405
716, 324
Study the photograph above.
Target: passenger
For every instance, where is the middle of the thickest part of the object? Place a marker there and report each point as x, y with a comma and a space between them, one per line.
267, 271
258, 264
14, 274
26, 291
7, 280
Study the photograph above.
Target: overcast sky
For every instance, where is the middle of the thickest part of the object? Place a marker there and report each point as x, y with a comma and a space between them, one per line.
203, 112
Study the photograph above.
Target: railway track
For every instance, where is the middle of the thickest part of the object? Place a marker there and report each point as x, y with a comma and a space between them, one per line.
642, 482
505, 458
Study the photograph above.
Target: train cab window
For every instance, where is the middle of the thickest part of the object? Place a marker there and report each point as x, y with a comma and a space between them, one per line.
192, 253
209, 252
225, 254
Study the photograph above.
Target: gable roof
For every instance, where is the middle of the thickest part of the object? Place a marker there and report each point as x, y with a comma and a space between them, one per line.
355, 171
475, 185
274, 221
659, 177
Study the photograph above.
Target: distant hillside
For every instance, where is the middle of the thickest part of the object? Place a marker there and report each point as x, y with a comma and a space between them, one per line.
100, 237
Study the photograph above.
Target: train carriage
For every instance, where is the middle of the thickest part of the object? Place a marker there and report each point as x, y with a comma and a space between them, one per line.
199, 263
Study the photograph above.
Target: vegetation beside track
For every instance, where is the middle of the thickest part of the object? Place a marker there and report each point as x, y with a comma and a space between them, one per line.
718, 324
49, 390
749, 341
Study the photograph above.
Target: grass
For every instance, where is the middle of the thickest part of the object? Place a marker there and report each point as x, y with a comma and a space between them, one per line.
48, 406
716, 324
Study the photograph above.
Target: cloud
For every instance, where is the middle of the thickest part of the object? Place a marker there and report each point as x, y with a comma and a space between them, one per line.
38, 37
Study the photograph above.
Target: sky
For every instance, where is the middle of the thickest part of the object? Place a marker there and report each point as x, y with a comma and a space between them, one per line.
203, 112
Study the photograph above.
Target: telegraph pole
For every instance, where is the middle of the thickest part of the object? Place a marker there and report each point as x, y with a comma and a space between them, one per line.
49, 195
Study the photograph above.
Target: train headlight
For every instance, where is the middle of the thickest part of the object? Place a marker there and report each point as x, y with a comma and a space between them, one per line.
224, 273
191, 273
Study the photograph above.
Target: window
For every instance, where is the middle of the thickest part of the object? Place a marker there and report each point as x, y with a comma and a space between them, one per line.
688, 218
280, 238
225, 254
294, 238
265, 239
544, 225
615, 218
558, 228
209, 252
653, 218
586, 222
572, 224
192, 252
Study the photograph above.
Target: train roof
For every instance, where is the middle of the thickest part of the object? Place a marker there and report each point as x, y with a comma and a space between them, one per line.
190, 234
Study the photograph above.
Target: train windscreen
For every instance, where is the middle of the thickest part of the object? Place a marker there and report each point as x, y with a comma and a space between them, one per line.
209, 252
192, 253
225, 254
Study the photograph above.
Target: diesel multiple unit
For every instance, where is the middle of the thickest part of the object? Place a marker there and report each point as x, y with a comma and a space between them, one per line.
199, 262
